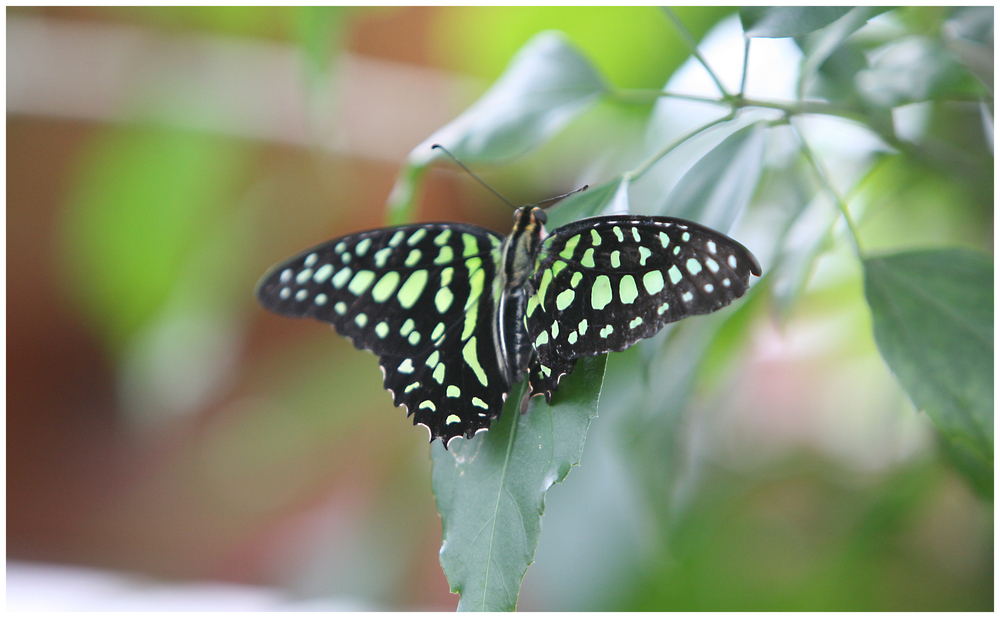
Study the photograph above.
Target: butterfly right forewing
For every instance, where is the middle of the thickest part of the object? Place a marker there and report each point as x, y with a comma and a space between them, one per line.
420, 297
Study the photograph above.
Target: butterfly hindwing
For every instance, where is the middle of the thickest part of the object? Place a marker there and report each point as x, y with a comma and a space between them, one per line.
420, 297
602, 284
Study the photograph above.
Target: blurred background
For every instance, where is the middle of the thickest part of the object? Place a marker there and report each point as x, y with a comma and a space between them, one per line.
172, 446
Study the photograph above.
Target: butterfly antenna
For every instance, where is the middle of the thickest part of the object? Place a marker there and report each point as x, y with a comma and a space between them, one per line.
478, 179
559, 197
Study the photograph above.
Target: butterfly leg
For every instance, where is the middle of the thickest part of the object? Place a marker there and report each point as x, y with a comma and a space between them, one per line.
524, 400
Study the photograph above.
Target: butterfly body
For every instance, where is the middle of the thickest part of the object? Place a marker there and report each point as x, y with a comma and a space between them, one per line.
459, 314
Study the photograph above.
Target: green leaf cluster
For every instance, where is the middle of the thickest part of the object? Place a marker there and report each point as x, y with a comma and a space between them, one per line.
931, 308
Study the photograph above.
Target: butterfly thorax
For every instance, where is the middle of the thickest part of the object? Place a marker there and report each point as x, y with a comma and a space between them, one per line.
521, 247
518, 255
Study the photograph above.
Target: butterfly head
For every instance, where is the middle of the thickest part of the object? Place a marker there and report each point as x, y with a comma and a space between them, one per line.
531, 219
522, 244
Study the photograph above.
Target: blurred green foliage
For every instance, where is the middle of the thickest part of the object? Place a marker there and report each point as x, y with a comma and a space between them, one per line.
716, 191
146, 201
634, 47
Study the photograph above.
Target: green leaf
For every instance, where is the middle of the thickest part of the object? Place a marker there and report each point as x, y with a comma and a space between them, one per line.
720, 185
547, 84
786, 21
820, 45
932, 313
490, 490
970, 38
910, 69
403, 197
804, 214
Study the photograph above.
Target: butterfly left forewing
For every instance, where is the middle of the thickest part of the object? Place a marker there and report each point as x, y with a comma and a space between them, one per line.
603, 284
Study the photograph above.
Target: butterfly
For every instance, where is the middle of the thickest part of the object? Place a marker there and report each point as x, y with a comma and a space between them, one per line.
459, 314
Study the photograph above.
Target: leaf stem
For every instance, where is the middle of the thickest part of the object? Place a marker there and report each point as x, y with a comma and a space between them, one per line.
642, 169
650, 95
693, 46
824, 176
738, 101
746, 62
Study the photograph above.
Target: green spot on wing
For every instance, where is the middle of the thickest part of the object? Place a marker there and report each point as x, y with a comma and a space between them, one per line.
385, 287
443, 300
600, 293
412, 289
543, 288
675, 274
341, 278
416, 237
432, 360
653, 281
447, 254
471, 245
565, 299
442, 238
628, 290
382, 256
360, 282
323, 273
472, 360
570, 247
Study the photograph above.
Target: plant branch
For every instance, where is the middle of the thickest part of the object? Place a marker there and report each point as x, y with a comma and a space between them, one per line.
824, 176
693, 46
746, 62
650, 95
642, 169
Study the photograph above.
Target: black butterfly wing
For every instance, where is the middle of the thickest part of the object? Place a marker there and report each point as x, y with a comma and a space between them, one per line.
603, 284
421, 298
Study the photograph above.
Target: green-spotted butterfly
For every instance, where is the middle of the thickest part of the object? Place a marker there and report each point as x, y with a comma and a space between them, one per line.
458, 314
